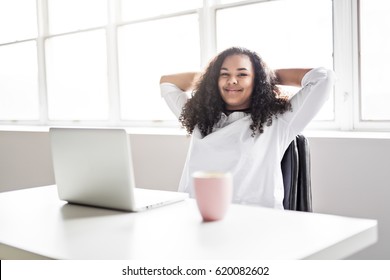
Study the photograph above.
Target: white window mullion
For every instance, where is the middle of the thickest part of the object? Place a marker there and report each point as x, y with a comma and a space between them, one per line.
356, 64
207, 27
112, 61
42, 14
344, 63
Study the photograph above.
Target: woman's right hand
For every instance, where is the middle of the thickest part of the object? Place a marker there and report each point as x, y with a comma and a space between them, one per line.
185, 81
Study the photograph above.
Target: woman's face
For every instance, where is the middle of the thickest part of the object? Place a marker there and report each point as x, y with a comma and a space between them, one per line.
236, 81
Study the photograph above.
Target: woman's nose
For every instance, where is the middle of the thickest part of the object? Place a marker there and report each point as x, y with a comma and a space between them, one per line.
232, 81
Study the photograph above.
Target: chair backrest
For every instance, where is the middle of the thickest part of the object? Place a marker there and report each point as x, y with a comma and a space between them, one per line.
295, 167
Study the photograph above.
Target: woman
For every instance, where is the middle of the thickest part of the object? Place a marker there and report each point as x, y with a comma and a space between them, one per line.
241, 123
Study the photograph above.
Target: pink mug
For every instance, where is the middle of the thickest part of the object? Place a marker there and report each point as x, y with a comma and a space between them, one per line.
213, 193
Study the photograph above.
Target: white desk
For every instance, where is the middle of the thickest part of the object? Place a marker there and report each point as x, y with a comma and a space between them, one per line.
34, 223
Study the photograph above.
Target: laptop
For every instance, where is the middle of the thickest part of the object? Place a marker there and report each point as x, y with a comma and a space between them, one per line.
93, 166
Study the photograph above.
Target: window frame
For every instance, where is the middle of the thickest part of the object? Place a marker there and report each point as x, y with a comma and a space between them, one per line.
346, 44
359, 123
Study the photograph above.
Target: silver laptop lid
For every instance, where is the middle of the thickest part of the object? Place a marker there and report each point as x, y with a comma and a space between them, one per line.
93, 167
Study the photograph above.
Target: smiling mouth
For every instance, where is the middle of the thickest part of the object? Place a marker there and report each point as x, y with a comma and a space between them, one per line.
232, 90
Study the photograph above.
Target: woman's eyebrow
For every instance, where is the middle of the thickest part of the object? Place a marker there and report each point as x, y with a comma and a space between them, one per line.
238, 69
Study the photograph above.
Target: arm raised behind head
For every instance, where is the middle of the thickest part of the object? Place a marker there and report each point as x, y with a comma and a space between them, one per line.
185, 81
291, 77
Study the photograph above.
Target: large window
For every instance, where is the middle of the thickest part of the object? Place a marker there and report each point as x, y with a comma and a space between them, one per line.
18, 82
76, 75
166, 45
151, 42
72, 15
374, 25
98, 62
18, 61
285, 33
18, 20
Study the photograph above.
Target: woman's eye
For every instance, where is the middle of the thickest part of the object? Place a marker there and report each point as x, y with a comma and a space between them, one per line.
243, 75
224, 74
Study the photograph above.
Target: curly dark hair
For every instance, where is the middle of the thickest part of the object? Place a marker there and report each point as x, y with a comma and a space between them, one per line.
205, 107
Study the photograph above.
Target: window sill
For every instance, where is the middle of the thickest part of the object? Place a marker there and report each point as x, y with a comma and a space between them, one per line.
130, 130
181, 132
346, 134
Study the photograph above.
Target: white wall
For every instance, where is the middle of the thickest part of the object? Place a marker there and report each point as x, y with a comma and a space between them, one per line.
350, 176
25, 160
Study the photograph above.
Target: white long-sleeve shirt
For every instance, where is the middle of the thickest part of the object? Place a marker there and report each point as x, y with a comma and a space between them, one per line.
253, 161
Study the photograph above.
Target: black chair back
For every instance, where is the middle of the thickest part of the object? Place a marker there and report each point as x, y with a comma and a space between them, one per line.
296, 176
